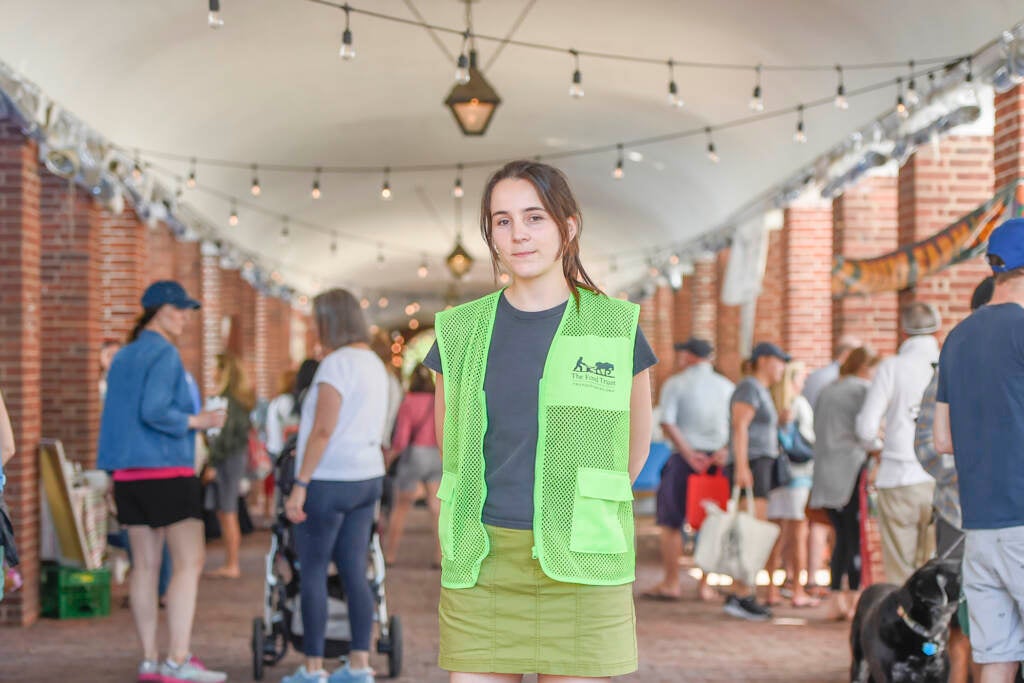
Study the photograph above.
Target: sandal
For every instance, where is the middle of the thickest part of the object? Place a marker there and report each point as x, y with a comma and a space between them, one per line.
659, 596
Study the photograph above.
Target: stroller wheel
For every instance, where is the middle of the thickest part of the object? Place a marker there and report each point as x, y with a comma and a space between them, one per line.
259, 640
394, 647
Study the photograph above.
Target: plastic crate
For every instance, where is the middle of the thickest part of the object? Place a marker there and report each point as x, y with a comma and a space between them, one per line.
71, 593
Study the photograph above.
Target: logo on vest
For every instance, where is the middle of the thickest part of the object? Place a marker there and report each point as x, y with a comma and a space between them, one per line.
600, 375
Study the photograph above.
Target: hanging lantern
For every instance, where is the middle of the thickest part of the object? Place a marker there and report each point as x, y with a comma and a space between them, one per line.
459, 261
473, 103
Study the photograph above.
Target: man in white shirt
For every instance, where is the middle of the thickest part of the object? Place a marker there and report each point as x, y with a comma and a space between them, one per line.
695, 418
822, 377
905, 489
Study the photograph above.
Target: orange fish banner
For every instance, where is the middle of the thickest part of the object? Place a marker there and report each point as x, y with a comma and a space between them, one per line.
905, 267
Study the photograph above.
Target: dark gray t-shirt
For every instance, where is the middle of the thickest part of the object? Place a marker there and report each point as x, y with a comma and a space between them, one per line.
763, 439
519, 347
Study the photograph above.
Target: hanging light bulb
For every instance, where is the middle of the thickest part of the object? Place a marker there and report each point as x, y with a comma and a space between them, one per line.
712, 154
385, 188
190, 182
913, 97
504, 278
969, 78
233, 218
137, 167
213, 19
285, 231
347, 52
841, 102
619, 171
334, 245
383, 302
423, 270
457, 190
800, 135
380, 257
414, 324
364, 303
462, 64
255, 189
901, 105
315, 192
613, 265
576, 89
757, 98
674, 100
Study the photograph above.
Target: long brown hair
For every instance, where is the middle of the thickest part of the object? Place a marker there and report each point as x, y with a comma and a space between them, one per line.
553, 189
233, 380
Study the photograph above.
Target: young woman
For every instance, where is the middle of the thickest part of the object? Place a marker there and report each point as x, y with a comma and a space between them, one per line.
544, 401
419, 461
339, 475
147, 441
229, 457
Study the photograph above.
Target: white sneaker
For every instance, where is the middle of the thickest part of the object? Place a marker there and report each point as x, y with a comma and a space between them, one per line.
191, 671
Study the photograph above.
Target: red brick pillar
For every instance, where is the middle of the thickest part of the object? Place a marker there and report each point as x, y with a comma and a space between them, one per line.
935, 190
807, 295
212, 338
264, 381
864, 226
188, 270
124, 251
1008, 140
72, 316
160, 254
727, 325
704, 284
279, 346
656, 323
20, 366
769, 319
682, 311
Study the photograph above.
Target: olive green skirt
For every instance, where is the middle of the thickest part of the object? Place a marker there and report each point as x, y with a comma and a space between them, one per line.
518, 620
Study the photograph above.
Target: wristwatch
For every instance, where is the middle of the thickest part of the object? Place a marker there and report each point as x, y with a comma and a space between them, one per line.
302, 484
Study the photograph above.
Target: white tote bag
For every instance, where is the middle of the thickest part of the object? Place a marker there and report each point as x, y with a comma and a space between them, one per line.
734, 542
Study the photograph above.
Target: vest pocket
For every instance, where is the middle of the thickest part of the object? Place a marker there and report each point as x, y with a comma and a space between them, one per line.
595, 512
445, 493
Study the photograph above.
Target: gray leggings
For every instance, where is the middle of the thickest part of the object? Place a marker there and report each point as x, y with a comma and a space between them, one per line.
338, 525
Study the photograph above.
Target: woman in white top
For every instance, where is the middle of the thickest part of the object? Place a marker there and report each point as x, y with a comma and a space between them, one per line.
339, 474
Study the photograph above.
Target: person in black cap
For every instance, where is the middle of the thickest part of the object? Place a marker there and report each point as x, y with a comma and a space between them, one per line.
147, 439
694, 406
754, 447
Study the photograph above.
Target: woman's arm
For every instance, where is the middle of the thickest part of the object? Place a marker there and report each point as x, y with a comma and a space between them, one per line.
640, 419
742, 416
328, 407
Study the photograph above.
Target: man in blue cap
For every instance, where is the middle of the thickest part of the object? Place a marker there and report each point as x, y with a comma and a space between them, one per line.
979, 417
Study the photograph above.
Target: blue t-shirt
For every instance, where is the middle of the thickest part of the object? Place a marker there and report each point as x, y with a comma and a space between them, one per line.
981, 377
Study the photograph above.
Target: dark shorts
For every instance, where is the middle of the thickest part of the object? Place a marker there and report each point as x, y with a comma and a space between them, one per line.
671, 507
761, 468
158, 502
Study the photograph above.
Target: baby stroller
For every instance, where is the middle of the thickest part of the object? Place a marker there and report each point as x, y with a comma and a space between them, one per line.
281, 623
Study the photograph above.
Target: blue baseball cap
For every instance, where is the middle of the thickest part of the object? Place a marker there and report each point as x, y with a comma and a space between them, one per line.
165, 292
768, 349
1006, 246
696, 346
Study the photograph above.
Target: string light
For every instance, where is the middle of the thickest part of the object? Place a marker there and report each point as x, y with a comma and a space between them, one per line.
970, 70
380, 257
800, 135
913, 97
901, 106
382, 302
233, 218
347, 52
334, 245
504, 278
462, 64
285, 231
576, 89
213, 19
315, 192
190, 183
255, 189
712, 154
841, 102
137, 167
414, 324
364, 303
457, 190
385, 188
423, 270
757, 98
613, 265
674, 100
619, 171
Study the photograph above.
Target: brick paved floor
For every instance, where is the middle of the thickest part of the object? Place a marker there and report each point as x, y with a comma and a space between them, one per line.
687, 641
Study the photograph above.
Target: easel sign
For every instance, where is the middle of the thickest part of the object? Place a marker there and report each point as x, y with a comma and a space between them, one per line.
57, 490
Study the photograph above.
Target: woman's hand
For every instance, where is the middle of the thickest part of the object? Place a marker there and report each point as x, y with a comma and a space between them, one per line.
209, 474
743, 477
208, 419
293, 507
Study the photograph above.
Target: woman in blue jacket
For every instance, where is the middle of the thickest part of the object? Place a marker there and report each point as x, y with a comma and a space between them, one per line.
147, 440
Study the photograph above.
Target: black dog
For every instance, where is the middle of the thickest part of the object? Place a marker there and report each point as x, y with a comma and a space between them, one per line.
899, 634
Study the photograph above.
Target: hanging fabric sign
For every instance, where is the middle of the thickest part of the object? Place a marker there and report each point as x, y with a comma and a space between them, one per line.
903, 268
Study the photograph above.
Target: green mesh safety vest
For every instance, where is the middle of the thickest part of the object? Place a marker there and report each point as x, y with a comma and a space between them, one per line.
583, 500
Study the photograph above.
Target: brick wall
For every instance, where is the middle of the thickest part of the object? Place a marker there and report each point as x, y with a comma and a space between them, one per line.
682, 310
864, 220
273, 336
657, 325
71, 317
210, 315
188, 270
727, 325
807, 297
768, 321
125, 269
1008, 139
934, 190
705, 298
161, 252
20, 362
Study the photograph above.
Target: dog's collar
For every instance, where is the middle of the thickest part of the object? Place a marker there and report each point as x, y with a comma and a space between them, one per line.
929, 647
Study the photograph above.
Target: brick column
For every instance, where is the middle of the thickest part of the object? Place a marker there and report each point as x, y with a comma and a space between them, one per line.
656, 323
124, 272
807, 297
20, 366
727, 324
935, 190
213, 343
71, 317
279, 334
160, 254
264, 381
704, 284
770, 312
1008, 139
864, 226
188, 270
682, 310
